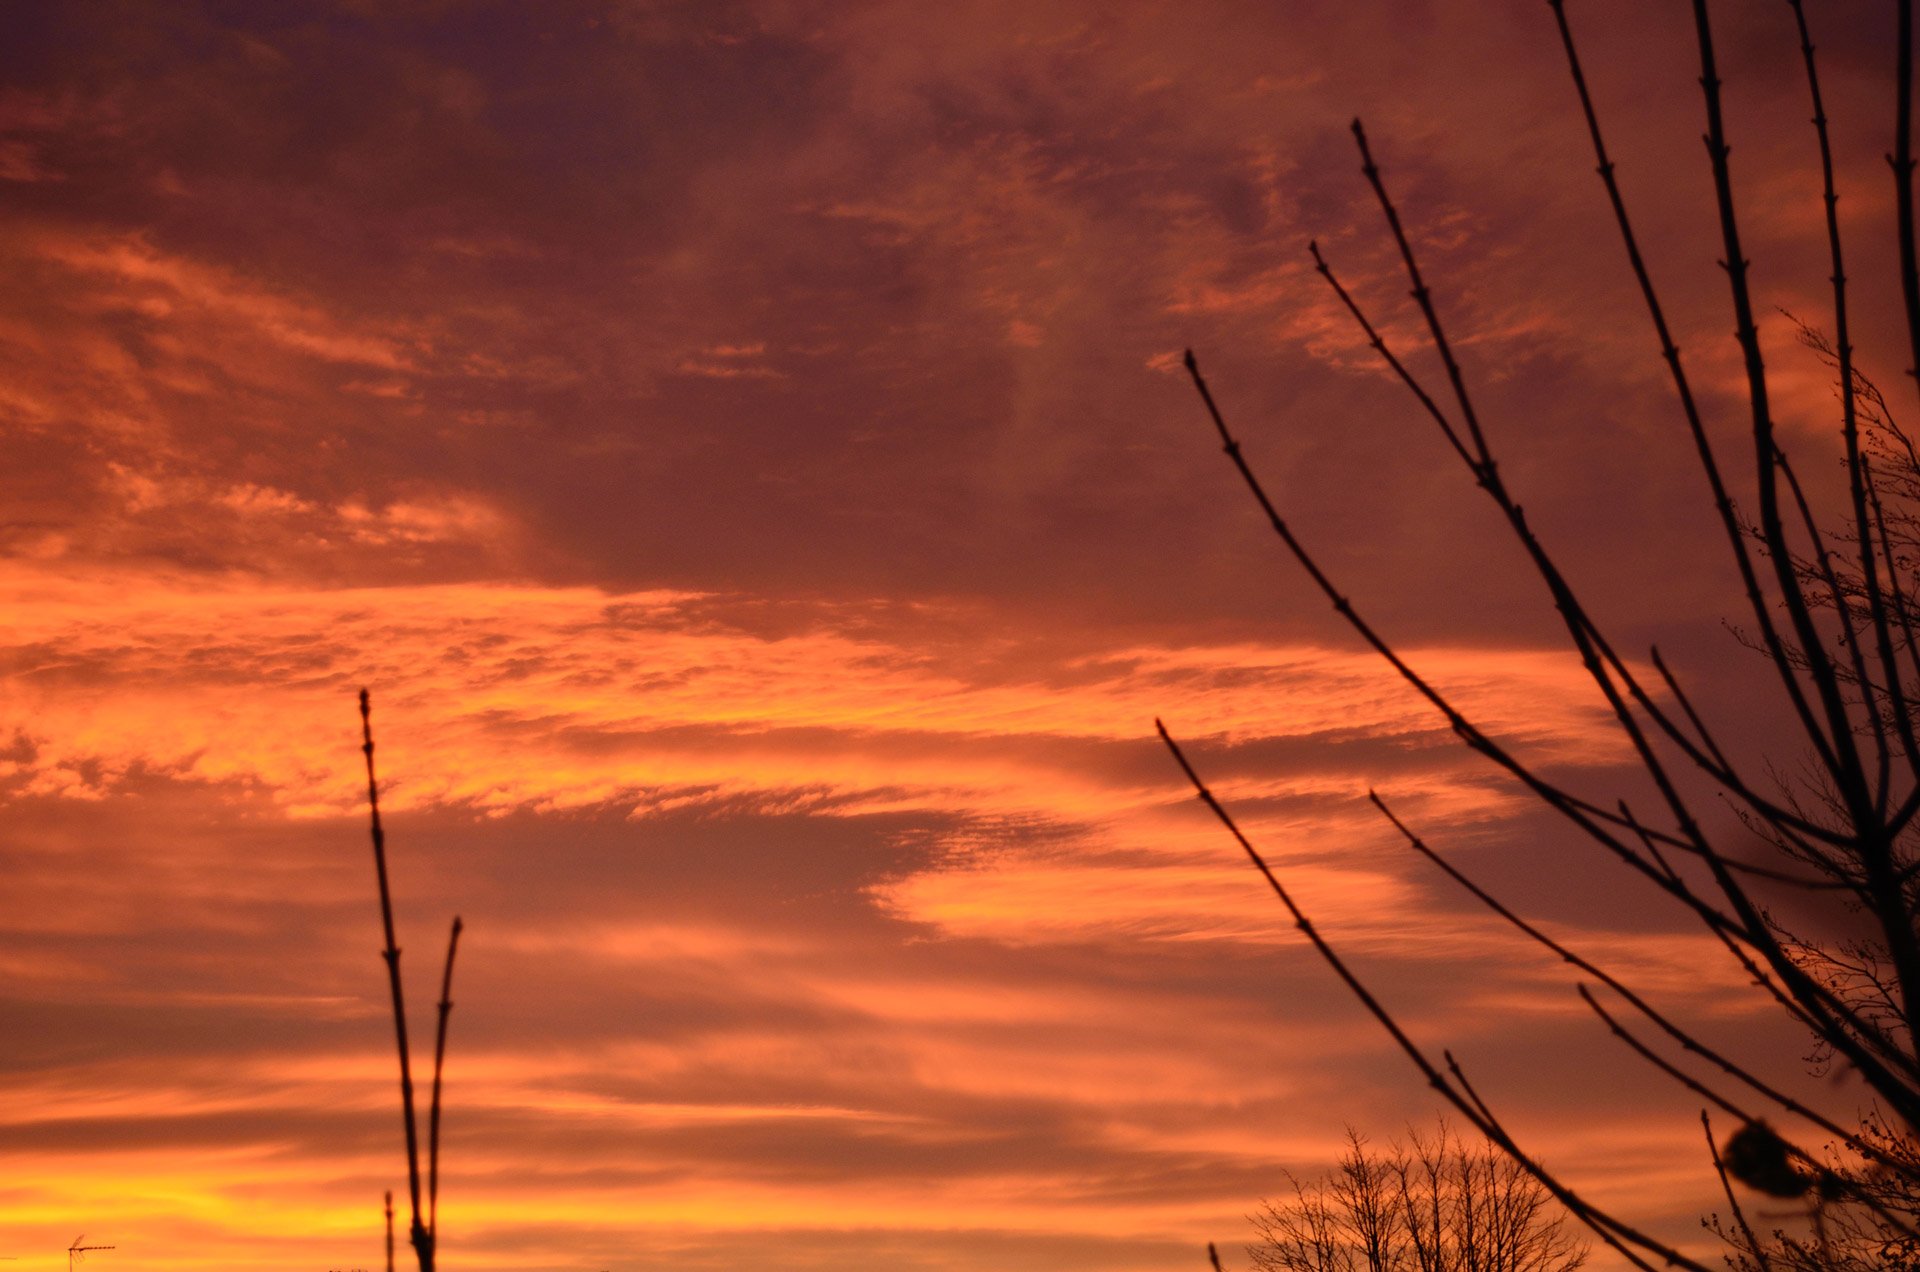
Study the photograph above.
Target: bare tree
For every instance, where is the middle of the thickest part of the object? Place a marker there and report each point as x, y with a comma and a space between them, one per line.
1433, 1204
1344, 1221
1829, 602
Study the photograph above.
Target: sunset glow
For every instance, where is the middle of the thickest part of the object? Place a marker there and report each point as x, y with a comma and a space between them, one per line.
742, 448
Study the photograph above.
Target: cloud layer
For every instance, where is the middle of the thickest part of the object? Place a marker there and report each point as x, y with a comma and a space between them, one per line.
743, 448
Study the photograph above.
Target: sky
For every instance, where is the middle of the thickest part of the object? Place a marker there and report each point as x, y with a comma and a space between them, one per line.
742, 449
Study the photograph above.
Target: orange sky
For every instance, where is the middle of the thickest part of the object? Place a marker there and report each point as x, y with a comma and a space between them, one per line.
741, 446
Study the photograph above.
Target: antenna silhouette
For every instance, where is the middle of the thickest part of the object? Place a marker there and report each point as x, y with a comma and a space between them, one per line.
78, 1251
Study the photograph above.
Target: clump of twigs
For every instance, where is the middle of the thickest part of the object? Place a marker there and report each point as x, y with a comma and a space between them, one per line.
424, 1230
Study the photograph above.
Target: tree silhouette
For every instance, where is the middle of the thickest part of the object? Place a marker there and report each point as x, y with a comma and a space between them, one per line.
1830, 604
1432, 1204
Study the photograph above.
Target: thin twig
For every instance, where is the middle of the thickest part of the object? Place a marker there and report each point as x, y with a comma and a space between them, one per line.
1902, 162
433, 1116
1838, 751
1849, 634
422, 1239
1683, 388
1850, 427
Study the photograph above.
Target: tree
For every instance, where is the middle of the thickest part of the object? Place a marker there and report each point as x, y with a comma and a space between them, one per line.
1432, 1204
1829, 602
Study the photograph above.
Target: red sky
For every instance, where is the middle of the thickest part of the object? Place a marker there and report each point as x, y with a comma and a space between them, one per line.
742, 448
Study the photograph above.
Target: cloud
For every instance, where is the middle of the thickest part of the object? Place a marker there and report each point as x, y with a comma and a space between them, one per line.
743, 448
503, 698
803, 918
